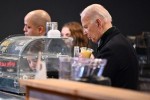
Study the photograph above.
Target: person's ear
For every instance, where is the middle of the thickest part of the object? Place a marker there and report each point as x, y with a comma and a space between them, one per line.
41, 30
99, 22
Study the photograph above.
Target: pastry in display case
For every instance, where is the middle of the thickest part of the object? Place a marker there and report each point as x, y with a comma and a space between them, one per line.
19, 56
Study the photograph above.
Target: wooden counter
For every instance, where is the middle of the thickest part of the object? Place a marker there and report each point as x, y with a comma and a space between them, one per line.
55, 89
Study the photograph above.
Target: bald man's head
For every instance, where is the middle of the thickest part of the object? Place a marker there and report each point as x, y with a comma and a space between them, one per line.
36, 19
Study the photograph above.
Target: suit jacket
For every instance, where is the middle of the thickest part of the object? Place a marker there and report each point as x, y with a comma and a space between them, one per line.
122, 63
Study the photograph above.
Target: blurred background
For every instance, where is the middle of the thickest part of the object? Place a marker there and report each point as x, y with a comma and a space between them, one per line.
130, 16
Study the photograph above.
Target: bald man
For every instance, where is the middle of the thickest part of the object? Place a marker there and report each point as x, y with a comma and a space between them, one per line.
35, 23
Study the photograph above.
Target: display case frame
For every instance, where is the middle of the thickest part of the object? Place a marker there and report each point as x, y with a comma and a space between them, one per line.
14, 64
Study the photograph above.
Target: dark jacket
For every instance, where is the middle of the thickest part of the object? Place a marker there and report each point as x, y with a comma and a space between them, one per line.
122, 63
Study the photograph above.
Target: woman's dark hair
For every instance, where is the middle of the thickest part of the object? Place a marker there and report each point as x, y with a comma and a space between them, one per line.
36, 47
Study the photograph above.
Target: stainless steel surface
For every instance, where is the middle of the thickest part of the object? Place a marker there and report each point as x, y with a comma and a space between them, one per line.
10, 96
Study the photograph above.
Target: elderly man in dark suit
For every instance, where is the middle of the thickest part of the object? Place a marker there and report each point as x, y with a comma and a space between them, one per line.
122, 63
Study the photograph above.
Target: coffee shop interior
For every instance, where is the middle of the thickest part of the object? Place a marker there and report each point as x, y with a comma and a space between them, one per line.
132, 18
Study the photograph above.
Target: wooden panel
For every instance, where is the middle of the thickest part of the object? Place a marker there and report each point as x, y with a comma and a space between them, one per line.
83, 90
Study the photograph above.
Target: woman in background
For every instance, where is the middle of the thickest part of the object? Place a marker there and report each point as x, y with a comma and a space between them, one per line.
33, 51
75, 30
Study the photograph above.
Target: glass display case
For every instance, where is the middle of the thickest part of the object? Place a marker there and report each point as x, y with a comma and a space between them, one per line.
19, 55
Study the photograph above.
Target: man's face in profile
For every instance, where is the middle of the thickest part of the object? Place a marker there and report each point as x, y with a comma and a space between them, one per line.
29, 28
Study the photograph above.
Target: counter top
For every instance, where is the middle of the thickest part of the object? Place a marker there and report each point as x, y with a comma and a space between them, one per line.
10, 96
84, 90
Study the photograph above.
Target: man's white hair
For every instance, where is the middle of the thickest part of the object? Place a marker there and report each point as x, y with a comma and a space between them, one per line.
96, 11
